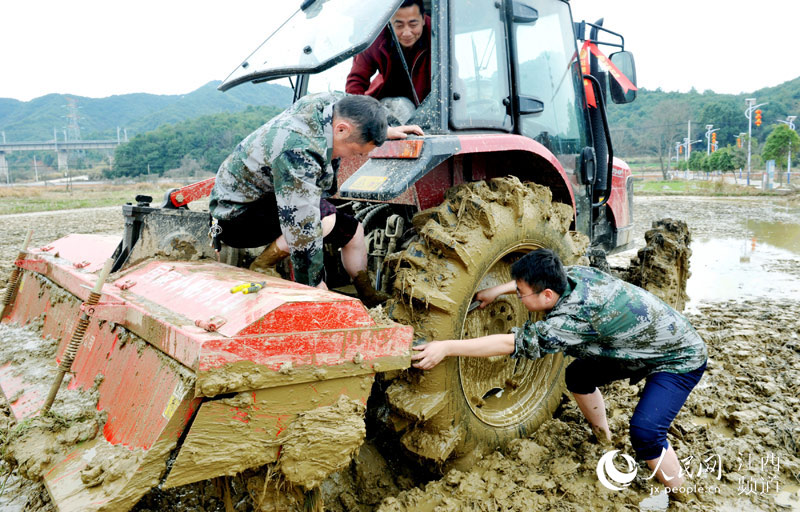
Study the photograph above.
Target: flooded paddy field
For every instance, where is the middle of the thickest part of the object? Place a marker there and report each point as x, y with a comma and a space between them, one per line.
738, 436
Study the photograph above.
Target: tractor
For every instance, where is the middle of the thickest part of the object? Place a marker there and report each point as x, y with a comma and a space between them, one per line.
196, 382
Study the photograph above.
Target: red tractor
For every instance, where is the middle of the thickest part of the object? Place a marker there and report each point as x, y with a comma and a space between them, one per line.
517, 155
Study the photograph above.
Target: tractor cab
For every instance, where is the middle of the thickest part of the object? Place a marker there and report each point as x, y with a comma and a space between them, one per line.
510, 67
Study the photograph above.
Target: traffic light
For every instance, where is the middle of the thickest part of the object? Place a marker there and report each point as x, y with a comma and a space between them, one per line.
714, 141
738, 142
680, 149
758, 117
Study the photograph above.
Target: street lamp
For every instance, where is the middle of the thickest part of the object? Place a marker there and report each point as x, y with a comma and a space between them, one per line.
748, 113
789, 121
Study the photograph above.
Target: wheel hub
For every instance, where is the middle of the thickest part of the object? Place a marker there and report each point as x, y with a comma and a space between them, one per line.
502, 391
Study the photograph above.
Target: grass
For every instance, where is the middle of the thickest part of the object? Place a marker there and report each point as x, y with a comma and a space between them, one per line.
40, 199
698, 188
51, 198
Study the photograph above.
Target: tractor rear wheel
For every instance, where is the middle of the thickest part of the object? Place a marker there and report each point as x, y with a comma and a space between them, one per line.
467, 406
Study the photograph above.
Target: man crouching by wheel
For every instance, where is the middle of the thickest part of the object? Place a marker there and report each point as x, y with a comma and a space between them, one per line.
615, 330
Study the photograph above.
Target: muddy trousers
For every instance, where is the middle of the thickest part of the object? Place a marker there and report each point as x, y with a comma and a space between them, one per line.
663, 396
259, 225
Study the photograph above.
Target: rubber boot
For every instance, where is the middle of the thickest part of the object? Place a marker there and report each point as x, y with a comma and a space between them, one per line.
366, 292
269, 258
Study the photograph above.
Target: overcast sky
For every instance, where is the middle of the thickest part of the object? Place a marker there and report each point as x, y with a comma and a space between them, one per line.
98, 49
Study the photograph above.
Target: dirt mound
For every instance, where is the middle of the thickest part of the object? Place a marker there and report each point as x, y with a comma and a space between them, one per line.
662, 265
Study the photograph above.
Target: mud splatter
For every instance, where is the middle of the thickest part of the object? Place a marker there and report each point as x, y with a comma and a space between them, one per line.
322, 441
662, 265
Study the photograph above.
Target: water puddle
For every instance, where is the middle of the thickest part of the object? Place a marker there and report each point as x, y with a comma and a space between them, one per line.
789, 497
734, 269
710, 424
783, 235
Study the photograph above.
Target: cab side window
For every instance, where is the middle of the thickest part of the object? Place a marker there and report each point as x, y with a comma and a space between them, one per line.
479, 72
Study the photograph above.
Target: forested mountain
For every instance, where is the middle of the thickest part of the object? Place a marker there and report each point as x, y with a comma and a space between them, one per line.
190, 147
166, 133
98, 118
652, 124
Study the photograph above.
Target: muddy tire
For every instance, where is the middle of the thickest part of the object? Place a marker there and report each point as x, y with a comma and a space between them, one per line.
468, 406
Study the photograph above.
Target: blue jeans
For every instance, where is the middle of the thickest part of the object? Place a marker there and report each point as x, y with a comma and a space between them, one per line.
663, 396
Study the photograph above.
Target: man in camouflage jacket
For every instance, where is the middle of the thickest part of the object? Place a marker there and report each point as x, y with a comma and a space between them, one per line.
615, 330
272, 188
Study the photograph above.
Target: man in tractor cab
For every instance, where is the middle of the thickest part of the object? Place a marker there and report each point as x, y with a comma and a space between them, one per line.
413, 30
616, 331
272, 188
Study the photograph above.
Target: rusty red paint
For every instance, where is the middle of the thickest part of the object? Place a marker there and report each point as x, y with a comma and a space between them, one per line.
32, 265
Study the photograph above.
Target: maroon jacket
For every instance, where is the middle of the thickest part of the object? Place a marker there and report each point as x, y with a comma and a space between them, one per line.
391, 80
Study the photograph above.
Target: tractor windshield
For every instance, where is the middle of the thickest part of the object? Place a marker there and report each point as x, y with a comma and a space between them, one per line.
548, 69
320, 34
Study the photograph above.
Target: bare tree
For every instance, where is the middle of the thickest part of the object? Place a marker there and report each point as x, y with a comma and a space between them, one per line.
665, 125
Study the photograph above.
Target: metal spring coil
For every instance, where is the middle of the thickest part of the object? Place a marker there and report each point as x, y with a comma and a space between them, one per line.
77, 336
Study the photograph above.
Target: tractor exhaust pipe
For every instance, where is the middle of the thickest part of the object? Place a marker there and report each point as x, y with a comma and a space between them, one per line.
13, 282
77, 336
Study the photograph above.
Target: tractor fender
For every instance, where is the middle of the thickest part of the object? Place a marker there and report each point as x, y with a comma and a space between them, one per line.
619, 202
395, 166
398, 165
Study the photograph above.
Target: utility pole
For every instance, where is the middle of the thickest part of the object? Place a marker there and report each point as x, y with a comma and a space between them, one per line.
739, 144
748, 113
789, 121
35, 168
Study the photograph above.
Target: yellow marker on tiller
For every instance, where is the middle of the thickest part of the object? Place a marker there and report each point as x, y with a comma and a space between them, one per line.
246, 288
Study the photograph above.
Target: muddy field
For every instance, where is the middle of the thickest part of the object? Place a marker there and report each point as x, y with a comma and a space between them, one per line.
738, 435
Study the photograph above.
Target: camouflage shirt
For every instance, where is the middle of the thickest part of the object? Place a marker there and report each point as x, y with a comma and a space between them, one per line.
604, 318
289, 156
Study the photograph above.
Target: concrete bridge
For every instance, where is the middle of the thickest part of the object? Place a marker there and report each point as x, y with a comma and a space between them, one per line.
62, 148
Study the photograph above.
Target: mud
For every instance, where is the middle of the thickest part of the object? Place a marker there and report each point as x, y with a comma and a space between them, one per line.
741, 424
50, 226
32, 444
322, 441
662, 265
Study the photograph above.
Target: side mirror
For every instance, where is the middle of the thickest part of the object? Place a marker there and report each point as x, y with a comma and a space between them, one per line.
624, 62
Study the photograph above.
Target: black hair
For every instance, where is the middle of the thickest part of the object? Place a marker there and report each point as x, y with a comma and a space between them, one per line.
418, 3
368, 116
541, 269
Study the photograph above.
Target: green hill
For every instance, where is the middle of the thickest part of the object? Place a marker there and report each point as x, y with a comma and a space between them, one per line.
652, 124
190, 147
99, 117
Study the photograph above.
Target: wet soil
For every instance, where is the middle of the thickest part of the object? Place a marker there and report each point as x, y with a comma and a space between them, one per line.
737, 436
50, 226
